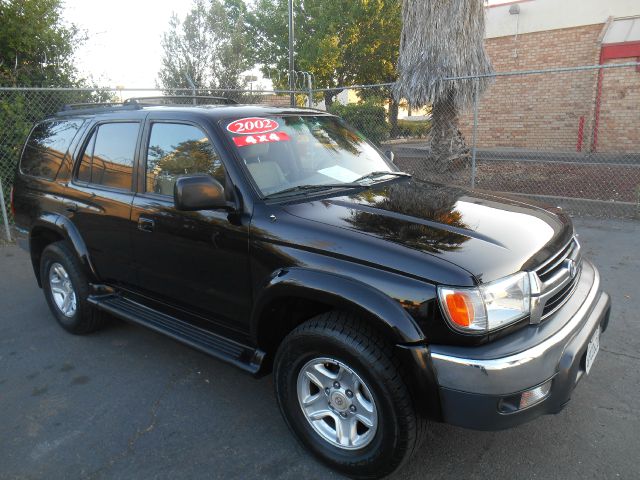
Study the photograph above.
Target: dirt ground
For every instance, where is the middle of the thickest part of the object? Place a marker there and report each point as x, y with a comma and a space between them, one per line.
608, 182
597, 182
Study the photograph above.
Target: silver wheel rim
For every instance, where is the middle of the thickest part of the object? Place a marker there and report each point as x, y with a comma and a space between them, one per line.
337, 403
64, 296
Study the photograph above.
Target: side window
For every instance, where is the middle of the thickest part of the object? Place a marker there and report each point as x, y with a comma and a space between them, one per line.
108, 157
84, 171
175, 150
47, 146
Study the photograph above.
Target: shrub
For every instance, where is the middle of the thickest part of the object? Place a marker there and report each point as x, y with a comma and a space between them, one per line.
367, 118
413, 129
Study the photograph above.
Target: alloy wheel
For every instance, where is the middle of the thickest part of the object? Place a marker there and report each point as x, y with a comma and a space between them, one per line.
337, 403
62, 291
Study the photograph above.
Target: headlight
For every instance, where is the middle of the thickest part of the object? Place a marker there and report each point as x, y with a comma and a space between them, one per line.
488, 307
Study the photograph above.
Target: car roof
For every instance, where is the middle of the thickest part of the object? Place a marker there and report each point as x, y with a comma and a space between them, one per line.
214, 112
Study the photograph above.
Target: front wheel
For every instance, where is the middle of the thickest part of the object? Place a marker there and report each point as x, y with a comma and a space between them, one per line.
340, 391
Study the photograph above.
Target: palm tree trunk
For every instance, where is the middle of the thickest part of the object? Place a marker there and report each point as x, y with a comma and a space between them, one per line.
448, 148
393, 116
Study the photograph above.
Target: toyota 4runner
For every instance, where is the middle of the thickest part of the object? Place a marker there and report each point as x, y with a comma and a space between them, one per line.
279, 239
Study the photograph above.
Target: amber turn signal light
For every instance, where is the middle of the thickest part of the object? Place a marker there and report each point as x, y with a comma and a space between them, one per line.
460, 311
463, 309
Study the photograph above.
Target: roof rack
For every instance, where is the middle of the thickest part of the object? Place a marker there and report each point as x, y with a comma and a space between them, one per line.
98, 107
137, 103
189, 99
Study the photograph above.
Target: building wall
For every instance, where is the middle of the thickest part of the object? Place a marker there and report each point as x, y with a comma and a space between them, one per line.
542, 111
544, 15
619, 119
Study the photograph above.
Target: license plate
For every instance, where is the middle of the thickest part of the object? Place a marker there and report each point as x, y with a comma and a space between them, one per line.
592, 349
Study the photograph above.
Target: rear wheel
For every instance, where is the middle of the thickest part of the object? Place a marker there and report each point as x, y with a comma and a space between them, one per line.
340, 391
66, 289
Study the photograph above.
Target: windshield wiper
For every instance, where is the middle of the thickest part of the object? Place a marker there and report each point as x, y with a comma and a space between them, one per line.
372, 175
328, 186
306, 188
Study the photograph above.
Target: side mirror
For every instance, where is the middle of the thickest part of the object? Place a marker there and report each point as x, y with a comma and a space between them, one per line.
199, 192
390, 155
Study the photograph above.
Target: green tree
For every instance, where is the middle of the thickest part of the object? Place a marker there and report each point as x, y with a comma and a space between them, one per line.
36, 50
323, 32
340, 43
443, 39
36, 47
374, 57
209, 47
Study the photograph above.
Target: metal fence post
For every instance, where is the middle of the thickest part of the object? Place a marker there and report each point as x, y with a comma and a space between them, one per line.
193, 87
5, 217
475, 134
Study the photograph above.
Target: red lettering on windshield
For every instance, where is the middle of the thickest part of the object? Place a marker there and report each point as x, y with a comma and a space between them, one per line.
248, 140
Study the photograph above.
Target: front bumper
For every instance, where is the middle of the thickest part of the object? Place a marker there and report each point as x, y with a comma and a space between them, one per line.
473, 381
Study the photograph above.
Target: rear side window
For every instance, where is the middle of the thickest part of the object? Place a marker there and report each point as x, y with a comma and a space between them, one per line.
108, 156
47, 146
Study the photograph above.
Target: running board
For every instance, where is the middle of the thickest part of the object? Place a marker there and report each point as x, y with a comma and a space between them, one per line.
244, 357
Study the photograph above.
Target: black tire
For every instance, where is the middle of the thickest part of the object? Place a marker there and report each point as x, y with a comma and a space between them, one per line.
86, 318
341, 336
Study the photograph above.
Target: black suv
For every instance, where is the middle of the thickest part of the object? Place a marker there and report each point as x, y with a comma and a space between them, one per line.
279, 239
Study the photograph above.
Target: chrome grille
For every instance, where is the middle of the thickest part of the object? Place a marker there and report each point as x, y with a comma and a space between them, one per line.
554, 302
554, 281
551, 266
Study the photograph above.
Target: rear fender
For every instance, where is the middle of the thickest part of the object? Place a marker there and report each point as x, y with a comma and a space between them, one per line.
62, 227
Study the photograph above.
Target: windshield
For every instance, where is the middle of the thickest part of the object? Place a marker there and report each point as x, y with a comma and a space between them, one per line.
284, 152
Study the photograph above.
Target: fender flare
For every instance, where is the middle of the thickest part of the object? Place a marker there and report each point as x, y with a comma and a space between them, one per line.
64, 227
340, 291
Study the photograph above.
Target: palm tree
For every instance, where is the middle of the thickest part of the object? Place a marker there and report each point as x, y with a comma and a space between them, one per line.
442, 39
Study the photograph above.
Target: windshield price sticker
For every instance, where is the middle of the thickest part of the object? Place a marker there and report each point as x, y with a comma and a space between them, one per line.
245, 141
252, 126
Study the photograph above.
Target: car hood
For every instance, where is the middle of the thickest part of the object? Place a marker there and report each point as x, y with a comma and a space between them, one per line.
489, 236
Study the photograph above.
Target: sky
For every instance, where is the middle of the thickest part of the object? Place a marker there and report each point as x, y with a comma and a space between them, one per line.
123, 46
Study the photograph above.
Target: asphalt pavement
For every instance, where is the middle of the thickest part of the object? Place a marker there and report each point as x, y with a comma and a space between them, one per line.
129, 403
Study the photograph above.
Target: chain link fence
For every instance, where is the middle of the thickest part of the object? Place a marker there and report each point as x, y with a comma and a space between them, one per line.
20, 108
567, 136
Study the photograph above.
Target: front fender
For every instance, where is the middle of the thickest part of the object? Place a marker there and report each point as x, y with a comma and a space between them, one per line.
341, 292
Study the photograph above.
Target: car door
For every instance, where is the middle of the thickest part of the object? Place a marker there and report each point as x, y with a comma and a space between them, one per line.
99, 197
196, 262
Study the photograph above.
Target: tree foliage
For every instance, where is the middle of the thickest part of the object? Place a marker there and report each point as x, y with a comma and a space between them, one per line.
36, 50
36, 47
209, 47
340, 43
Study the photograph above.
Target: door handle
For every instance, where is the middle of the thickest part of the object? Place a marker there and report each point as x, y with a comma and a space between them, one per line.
71, 206
146, 224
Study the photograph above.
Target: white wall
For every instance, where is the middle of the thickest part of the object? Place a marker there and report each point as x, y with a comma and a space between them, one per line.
540, 15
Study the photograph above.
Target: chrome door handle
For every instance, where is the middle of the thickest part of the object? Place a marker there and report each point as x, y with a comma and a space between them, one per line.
146, 224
